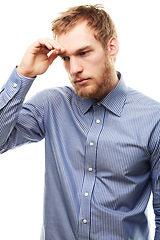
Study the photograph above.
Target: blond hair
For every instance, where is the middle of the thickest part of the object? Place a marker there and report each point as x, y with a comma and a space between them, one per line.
97, 19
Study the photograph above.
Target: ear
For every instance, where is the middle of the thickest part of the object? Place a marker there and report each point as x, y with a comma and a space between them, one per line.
113, 47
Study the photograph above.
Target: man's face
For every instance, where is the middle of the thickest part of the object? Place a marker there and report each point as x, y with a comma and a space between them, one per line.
89, 68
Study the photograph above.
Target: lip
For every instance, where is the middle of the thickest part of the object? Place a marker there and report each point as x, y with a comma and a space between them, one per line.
81, 81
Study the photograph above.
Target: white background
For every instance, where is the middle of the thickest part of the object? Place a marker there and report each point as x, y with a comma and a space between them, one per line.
23, 22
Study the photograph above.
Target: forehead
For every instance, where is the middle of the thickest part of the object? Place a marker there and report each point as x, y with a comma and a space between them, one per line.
78, 37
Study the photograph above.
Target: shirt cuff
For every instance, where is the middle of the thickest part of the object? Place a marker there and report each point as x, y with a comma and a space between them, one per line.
16, 85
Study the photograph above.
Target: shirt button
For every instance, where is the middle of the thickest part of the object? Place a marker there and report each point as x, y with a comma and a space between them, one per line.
86, 194
99, 104
97, 121
90, 169
84, 221
15, 85
91, 144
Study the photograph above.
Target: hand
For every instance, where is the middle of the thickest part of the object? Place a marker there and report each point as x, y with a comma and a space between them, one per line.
38, 57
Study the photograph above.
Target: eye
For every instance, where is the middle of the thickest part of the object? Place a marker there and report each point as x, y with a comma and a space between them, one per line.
65, 58
83, 53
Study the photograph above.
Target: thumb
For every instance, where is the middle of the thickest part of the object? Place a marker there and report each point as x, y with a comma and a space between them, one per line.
52, 57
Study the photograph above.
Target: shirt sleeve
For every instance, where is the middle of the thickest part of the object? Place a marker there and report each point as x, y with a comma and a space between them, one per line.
155, 174
11, 110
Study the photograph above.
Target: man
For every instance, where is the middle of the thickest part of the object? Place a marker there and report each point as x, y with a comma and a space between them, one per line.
101, 137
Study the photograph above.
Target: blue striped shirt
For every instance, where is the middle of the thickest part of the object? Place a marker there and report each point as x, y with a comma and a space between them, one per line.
101, 158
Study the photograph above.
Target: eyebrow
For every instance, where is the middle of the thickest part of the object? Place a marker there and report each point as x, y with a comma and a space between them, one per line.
83, 49
78, 51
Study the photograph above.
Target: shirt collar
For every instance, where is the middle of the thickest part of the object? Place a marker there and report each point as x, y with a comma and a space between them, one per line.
114, 101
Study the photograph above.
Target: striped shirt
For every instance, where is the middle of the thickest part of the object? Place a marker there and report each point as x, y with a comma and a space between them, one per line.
101, 158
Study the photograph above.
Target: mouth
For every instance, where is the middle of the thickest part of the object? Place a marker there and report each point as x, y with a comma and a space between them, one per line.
81, 81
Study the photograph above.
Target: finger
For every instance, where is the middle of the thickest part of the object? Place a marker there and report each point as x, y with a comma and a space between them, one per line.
52, 57
56, 45
51, 44
45, 45
42, 42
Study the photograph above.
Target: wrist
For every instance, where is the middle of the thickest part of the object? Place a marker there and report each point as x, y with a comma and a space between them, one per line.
23, 73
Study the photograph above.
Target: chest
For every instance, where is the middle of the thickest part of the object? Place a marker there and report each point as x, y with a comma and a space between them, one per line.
109, 143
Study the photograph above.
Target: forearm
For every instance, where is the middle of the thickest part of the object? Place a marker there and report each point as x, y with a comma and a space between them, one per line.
157, 235
37, 59
156, 193
156, 205
11, 99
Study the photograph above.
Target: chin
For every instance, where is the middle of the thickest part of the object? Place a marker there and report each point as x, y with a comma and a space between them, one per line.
86, 92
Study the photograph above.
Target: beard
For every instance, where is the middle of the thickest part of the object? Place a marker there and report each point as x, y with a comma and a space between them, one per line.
98, 86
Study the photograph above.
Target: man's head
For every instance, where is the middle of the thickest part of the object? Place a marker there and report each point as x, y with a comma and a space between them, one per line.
91, 47
97, 19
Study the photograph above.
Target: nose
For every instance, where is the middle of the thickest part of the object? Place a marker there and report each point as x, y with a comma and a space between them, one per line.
75, 66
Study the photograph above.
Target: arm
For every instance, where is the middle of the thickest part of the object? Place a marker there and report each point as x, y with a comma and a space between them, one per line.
11, 99
154, 147
36, 61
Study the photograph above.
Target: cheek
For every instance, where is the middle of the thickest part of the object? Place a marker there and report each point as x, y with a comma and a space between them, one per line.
96, 68
98, 61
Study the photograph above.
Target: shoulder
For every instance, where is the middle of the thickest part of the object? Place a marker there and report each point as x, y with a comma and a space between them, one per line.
58, 98
142, 111
53, 97
54, 94
140, 100
58, 94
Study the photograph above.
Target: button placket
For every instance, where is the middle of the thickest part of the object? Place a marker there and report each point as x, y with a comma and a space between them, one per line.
89, 177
